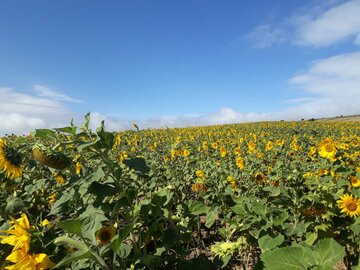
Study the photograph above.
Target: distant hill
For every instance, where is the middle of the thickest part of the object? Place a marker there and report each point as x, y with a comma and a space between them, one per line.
341, 118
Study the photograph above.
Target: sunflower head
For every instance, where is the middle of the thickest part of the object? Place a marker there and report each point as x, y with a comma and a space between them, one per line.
50, 158
349, 205
105, 234
10, 161
259, 177
199, 187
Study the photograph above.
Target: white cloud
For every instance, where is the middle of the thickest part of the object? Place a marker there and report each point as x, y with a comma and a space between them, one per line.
332, 26
329, 87
334, 83
22, 112
46, 92
264, 36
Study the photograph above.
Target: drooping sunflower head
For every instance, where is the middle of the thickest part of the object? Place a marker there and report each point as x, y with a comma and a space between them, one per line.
10, 161
50, 158
349, 205
105, 234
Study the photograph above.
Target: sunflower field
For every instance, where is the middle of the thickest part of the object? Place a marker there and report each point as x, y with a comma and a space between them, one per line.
271, 195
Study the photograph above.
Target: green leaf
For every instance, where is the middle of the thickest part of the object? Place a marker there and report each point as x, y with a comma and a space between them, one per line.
197, 208
211, 217
328, 252
71, 226
355, 228
82, 146
66, 240
138, 164
71, 130
120, 237
267, 243
322, 267
289, 258
123, 250
60, 204
14, 205
92, 221
77, 255
239, 209
85, 126
44, 133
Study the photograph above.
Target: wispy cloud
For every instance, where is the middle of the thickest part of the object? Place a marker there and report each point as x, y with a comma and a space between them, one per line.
331, 26
44, 91
264, 36
324, 24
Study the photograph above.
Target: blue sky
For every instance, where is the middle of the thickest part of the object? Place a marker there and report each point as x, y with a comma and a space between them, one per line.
176, 63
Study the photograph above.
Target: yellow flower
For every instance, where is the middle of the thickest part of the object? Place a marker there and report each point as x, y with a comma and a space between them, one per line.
349, 205
259, 177
323, 172
45, 223
355, 181
240, 163
117, 142
214, 145
24, 261
78, 168
312, 152
52, 198
251, 147
327, 149
200, 174
199, 187
105, 234
186, 153
232, 181
222, 151
280, 142
269, 146
10, 161
18, 237
237, 150
59, 178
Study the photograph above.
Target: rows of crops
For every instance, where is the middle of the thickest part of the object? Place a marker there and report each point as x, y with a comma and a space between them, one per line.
282, 195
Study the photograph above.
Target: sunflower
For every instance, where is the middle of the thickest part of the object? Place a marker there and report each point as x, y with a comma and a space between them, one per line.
355, 181
199, 187
232, 181
259, 177
23, 260
200, 174
105, 234
349, 205
59, 178
50, 158
186, 153
327, 149
10, 161
17, 236
240, 163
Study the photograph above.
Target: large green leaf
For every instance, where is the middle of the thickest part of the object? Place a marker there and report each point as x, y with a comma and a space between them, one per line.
14, 205
138, 164
328, 252
197, 208
92, 221
211, 217
289, 258
71, 226
44, 133
77, 255
267, 243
